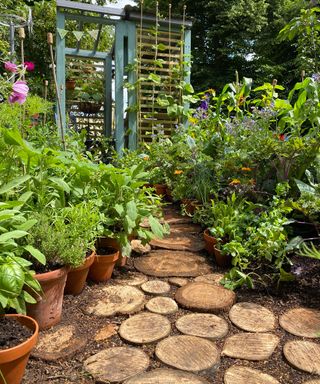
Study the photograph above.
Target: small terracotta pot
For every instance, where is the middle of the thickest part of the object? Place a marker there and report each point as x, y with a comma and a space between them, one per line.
210, 242
48, 309
102, 267
104, 242
160, 189
13, 361
70, 85
77, 276
222, 260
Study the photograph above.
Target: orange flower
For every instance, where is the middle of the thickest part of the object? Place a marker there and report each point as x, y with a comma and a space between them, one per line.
178, 172
146, 158
235, 182
246, 169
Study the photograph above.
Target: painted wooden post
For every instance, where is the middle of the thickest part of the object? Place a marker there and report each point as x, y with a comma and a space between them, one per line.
61, 67
108, 96
119, 69
132, 94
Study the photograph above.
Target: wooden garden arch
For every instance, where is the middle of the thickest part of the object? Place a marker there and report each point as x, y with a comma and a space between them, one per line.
125, 50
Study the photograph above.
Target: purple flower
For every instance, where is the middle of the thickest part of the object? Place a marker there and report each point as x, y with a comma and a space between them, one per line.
10, 67
29, 65
204, 104
20, 92
316, 77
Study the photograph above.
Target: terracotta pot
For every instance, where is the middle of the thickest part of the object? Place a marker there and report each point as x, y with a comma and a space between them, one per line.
13, 361
102, 267
70, 85
48, 310
160, 189
77, 276
104, 242
210, 241
222, 260
169, 196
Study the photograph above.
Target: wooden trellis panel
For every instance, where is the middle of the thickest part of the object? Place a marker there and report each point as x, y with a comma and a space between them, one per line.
152, 117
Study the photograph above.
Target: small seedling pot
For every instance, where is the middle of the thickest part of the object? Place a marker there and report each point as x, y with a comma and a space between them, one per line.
210, 242
103, 265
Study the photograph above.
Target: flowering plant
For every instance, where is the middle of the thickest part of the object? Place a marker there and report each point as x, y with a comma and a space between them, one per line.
13, 87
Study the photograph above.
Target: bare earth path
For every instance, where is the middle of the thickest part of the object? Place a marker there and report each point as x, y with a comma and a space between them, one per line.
146, 326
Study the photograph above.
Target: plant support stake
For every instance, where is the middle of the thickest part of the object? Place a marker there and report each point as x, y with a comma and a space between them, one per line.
59, 113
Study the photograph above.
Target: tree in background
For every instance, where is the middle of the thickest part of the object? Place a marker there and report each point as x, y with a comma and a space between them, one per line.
230, 35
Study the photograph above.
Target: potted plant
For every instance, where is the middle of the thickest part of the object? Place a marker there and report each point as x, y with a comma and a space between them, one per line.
64, 236
19, 333
91, 97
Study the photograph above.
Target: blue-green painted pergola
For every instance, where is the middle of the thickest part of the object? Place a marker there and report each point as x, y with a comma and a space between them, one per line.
126, 22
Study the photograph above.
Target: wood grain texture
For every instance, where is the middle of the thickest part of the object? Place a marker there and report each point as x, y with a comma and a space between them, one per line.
246, 375
166, 376
252, 317
156, 287
162, 305
178, 281
180, 242
203, 325
114, 365
185, 228
188, 353
145, 328
134, 279
165, 263
303, 355
312, 382
250, 346
303, 322
205, 297
116, 299
211, 278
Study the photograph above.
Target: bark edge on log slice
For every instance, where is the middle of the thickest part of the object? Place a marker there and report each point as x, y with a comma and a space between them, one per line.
205, 297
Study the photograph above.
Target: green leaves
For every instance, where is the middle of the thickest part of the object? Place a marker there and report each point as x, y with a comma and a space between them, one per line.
14, 183
36, 254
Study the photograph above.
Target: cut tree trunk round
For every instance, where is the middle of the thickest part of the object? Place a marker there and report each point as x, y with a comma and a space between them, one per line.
250, 346
162, 305
304, 322
203, 325
180, 242
145, 328
303, 355
205, 297
156, 287
188, 353
252, 317
211, 278
246, 375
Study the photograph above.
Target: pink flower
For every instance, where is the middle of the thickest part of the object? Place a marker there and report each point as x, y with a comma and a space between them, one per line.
29, 65
10, 67
20, 92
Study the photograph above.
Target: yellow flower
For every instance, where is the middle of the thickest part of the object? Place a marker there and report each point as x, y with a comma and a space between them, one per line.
246, 169
178, 172
146, 158
193, 120
235, 182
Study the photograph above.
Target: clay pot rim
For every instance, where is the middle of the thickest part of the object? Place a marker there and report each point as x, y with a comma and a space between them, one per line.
112, 256
88, 261
56, 273
10, 354
206, 233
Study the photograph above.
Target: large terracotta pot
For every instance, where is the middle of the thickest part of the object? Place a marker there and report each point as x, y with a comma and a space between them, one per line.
13, 361
48, 309
103, 265
210, 242
222, 260
77, 277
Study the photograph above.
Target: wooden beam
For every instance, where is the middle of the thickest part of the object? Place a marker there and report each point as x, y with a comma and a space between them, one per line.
108, 97
66, 4
61, 68
74, 52
90, 19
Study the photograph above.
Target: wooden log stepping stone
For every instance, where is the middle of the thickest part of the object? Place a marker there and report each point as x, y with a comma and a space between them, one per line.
105, 332
188, 353
312, 382
172, 218
250, 346
116, 300
303, 322
185, 228
134, 279
303, 355
113, 365
172, 264
145, 328
246, 375
252, 317
59, 343
156, 287
178, 281
205, 297
203, 325
211, 278
180, 242
162, 305
166, 376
